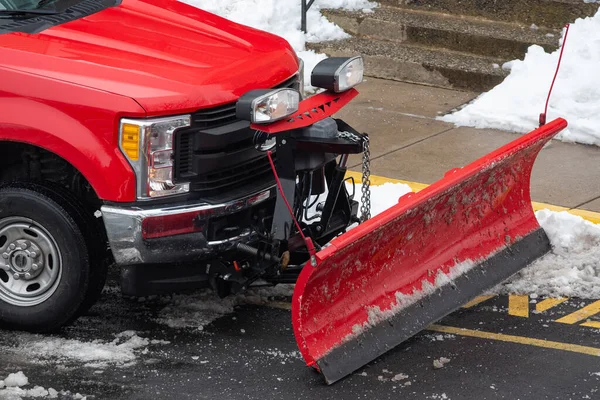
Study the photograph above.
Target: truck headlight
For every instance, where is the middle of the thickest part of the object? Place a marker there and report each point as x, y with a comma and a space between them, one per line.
148, 145
338, 73
264, 106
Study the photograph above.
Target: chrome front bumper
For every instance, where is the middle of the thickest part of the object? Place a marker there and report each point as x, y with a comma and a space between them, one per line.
124, 227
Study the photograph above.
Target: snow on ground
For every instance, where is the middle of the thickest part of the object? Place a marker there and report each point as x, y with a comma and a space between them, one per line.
200, 309
11, 388
516, 103
282, 17
122, 351
573, 267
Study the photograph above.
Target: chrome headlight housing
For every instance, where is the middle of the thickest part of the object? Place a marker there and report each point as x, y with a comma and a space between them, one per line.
264, 106
338, 74
301, 78
148, 146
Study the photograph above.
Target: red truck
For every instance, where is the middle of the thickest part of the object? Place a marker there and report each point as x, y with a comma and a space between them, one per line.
177, 145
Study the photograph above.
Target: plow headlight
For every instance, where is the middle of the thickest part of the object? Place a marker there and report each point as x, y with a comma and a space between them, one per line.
265, 106
148, 146
338, 73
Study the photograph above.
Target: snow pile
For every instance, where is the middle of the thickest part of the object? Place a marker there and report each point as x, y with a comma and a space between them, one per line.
11, 388
122, 351
573, 267
516, 103
16, 380
282, 17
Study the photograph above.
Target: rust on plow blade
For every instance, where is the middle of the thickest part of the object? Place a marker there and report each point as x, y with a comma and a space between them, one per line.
385, 280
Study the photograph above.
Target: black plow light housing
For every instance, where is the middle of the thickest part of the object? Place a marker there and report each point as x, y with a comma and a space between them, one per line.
338, 74
264, 106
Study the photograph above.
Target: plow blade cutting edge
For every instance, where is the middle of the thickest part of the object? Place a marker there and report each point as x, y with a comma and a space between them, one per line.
385, 280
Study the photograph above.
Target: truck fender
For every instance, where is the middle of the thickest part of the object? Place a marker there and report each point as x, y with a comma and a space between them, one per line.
96, 158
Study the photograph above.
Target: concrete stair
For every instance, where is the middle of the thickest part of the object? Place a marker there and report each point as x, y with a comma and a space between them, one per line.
421, 42
548, 13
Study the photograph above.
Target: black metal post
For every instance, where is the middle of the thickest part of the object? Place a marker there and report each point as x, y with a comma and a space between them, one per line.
304, 9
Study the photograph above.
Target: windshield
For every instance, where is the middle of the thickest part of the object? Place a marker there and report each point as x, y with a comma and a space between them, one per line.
25, 4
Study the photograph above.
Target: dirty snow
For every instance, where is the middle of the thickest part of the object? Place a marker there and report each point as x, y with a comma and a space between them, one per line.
515, 104
200, 309
121, 351
440, 362
282, 17
399, 377
573, 267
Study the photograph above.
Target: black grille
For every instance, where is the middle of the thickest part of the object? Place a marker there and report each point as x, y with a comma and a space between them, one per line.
224, 180
214, 117
217, 156
184, 155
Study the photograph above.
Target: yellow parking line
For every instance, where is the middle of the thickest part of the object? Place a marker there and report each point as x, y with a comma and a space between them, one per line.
592, 324
477, 300
547, 304
575, 348
581, 314
518, 305
415, 187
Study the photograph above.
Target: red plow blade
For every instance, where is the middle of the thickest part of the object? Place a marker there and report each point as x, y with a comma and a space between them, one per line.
382, 282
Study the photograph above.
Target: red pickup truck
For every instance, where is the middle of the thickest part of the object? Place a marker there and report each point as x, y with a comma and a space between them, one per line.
129, 136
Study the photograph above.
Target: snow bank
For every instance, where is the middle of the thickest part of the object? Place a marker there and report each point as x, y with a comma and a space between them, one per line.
573, 267
516, 103
282, 17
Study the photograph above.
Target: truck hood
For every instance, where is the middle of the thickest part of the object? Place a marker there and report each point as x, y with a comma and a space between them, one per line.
168, 56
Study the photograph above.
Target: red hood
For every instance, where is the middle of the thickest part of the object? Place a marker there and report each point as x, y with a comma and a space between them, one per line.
166, 55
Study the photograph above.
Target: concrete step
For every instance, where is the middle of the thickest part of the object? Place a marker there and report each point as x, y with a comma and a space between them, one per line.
475, 35
418, 64
548, 13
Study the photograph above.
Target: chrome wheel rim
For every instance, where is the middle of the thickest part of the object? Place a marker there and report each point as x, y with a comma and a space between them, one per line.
30, 262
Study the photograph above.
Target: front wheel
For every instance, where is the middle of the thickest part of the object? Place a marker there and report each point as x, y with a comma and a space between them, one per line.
44, 262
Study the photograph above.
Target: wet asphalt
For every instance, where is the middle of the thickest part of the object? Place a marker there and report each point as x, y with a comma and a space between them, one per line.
252, 354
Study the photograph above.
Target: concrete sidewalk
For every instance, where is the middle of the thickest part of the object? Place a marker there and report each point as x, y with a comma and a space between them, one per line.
408, 143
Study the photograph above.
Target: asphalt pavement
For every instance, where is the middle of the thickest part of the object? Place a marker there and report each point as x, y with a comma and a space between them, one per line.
501, 348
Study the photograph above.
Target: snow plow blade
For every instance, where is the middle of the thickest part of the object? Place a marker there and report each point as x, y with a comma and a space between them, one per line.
392, 276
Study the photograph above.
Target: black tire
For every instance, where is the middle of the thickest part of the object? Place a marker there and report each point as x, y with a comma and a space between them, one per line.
61, 219
98, 251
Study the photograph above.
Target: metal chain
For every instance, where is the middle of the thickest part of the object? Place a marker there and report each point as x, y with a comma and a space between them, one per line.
365, 200
365, 208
